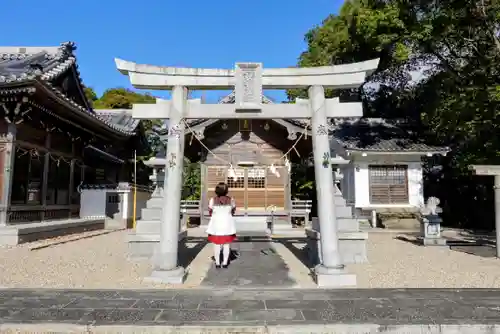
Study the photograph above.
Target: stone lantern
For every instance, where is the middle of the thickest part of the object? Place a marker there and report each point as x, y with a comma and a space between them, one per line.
430, 223
158, 163
146, 236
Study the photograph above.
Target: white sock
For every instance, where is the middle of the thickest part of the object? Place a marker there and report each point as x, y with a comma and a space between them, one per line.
226, 249
217, 249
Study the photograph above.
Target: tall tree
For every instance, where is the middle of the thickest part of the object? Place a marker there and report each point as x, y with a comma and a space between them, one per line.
454, 47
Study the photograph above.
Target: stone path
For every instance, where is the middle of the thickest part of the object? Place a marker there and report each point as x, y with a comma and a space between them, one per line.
250, 308
258, 265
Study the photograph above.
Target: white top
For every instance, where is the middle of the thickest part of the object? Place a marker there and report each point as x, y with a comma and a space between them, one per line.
222, 221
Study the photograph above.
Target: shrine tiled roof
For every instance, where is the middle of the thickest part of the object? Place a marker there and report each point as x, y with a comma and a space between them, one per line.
379, 135
21, 67
121, 118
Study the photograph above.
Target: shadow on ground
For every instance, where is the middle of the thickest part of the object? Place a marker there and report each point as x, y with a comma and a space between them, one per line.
190, 249
254, 263
465, 242
478, 250
298, 247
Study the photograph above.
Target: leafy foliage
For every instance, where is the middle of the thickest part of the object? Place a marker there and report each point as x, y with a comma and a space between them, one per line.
454, 47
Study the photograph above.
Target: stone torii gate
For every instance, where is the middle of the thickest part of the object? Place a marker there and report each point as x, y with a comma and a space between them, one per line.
248, 80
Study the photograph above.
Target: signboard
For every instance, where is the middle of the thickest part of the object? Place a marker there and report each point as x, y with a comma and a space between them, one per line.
486, 169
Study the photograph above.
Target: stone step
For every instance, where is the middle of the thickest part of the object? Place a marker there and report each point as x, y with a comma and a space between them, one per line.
251, 224
148, 227
343, 224
348, 224
151, 213
155, 202
343, 211
339, 200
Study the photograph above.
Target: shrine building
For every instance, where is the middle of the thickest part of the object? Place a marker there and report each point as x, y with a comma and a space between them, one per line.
52, 141
377, 164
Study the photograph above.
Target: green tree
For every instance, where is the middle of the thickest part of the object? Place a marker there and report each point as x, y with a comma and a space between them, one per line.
90, 94
455, 47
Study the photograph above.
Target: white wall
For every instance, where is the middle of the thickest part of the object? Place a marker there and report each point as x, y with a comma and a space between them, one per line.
361, 179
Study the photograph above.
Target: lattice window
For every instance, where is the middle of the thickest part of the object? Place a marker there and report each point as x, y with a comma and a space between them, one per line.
238, 183
388, 184
256, 182
256, 178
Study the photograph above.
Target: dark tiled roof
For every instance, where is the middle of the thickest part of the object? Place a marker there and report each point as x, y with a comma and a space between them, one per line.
121, 118
20, 65
380, 135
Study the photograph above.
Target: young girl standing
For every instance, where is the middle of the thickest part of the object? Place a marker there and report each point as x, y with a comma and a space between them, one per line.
221, 227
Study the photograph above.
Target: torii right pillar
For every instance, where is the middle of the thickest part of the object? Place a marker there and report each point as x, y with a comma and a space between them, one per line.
331, 272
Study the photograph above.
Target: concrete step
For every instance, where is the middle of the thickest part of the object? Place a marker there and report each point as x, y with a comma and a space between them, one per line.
348, 224
151, 213
339, 200
251, 224
343, 211
154, 202
148, 227
343, 224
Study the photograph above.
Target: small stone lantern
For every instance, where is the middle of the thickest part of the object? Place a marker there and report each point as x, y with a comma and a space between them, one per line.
430, 223
158, 163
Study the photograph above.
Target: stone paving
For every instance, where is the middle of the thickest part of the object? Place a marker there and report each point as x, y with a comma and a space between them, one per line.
250, 307
258, 265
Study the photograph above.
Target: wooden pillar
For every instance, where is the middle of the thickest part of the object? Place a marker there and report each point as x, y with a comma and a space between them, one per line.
203, 191
9, 156
71, 177
45, 176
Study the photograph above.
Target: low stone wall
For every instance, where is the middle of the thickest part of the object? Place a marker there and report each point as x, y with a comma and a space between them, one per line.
16, 234
352, 247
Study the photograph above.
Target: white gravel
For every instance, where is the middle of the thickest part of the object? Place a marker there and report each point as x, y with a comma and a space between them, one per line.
100, 262
401, 264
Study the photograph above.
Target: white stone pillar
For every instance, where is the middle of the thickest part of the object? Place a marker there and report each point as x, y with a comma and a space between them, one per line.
166, 268
497, 212
331, 271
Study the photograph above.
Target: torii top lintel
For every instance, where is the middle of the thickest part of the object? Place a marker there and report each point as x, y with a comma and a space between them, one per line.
164, 78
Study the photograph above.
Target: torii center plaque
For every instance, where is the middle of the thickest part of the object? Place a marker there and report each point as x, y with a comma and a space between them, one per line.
248, 87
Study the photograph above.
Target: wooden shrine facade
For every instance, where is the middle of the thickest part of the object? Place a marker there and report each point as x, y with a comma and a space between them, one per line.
51, 140
251, 147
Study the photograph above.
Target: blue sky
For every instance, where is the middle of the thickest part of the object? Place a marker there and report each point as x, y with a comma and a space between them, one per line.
163, 32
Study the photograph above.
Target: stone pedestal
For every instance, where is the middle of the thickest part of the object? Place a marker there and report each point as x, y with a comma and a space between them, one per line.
332, 277
430, 231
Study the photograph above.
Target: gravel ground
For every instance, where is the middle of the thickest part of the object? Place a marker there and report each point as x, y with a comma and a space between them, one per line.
401, 264
99, 261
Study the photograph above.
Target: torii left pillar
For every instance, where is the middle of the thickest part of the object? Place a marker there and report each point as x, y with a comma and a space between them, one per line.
166, 268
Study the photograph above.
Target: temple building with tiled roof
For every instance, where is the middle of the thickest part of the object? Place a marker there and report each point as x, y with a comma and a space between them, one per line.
52, 140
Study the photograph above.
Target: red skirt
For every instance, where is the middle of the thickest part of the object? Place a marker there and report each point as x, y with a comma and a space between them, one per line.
221, 239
